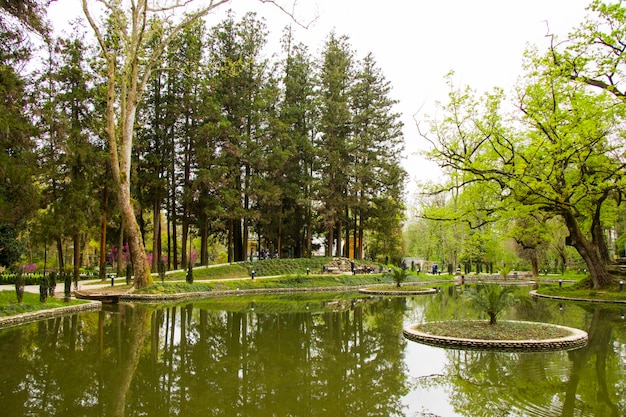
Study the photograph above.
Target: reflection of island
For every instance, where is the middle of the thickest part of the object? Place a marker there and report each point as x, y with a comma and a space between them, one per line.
483, 383
182, 360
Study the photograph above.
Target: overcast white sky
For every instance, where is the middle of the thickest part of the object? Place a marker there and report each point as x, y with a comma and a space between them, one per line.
417, 42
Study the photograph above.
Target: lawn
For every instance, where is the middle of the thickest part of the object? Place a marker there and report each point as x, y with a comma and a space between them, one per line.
10, 307
503, 330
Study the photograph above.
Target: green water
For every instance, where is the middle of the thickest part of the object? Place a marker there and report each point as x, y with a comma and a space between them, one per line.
325, 355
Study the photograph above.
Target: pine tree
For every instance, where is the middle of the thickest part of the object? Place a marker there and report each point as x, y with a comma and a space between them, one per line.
336, 78
17, 159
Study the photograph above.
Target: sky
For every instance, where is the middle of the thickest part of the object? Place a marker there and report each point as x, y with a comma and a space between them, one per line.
416, 43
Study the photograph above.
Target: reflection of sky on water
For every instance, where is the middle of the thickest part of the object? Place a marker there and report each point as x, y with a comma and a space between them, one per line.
424, 363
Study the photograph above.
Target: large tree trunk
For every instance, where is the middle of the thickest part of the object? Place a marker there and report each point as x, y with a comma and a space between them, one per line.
339, 250
331, 240
139, 260
238, 241
589, 252
76, 271
123, 94
204, 241
534, 262
60, 256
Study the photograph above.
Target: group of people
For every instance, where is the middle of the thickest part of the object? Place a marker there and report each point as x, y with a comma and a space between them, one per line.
265, 254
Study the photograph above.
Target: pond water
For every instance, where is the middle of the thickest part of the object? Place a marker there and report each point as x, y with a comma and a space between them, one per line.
305, 355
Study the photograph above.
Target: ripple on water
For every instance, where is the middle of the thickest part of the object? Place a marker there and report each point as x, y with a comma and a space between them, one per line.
535, 392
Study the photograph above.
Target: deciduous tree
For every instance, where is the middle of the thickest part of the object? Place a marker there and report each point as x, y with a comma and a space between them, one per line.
127, 76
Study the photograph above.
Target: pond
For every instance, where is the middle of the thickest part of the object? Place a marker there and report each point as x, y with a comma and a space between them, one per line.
304, 355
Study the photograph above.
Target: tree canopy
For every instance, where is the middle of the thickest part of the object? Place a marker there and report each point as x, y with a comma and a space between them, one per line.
154, 115
559, 152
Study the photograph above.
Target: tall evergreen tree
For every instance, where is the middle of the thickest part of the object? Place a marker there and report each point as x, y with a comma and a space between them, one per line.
377, 148
69, 159
237, 75
336, 79
17, 158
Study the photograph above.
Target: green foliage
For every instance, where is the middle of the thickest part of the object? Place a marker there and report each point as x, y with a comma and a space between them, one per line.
11, 249
551, 157
399, 275
273, 267
491, 299
18, 194
505, 270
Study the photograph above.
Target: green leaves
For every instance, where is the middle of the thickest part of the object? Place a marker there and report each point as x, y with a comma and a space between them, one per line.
491, 299
11, 249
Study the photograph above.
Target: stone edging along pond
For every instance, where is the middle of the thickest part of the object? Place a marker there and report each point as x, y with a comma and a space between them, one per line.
31, 316
577, 339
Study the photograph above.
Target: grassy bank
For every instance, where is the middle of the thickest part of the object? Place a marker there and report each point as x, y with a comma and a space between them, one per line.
286, 281
9, 305
611, 293
263, 268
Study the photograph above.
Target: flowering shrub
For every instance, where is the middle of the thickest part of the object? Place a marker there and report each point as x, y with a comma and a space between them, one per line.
163, 258
114, 254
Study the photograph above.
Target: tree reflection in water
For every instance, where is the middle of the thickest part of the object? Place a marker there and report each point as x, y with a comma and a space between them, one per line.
302, 357
199, 360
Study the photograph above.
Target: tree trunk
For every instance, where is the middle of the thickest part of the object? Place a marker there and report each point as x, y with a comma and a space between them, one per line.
76, 256
120, 167
238, 241
204, 241
60, 255
185, 232
534, 265
173, 257
141, 269
589, 252
598, 233
156, 235
339, 246
230, 240
120, 251
309, 235
103, 234
355, 237
331, 238
360, 247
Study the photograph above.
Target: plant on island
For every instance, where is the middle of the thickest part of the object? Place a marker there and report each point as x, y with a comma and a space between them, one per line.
399, 275
492, 299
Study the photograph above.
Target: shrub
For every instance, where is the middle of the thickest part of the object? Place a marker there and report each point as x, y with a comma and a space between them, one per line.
398, 275
492, 299
19, 288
